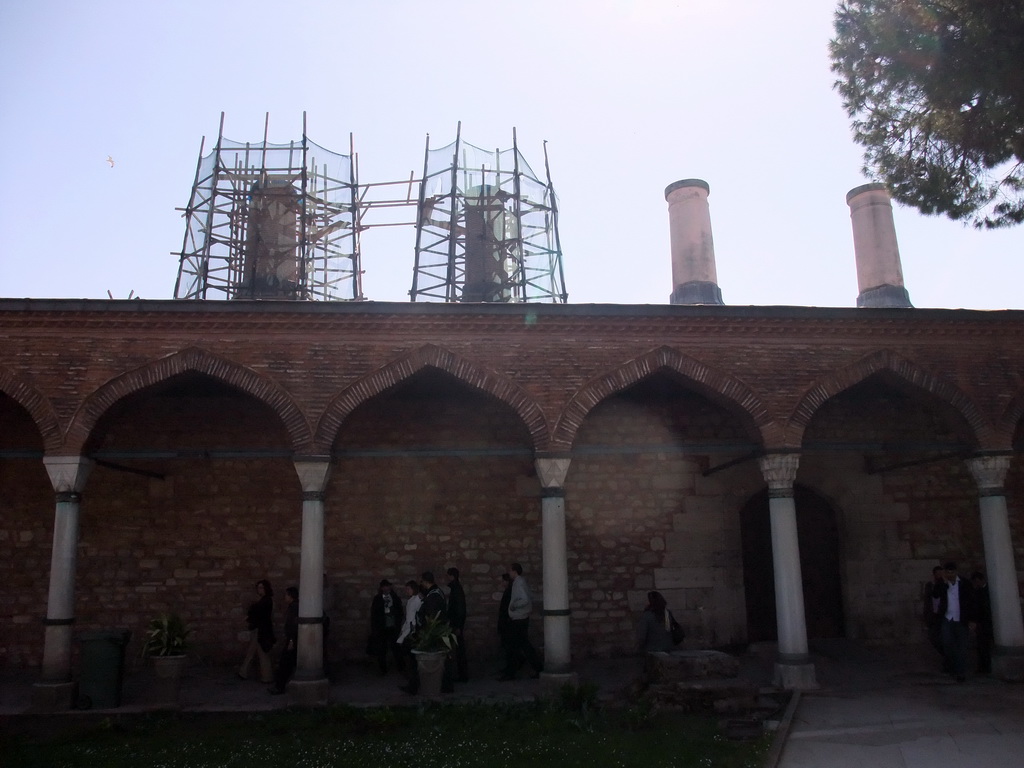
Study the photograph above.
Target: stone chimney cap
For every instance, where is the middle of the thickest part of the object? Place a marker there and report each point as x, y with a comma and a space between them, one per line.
875, 187
686, 183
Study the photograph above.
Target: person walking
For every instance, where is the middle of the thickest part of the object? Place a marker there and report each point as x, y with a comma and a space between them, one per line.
457, 620
289, 656
260, 621
520, 606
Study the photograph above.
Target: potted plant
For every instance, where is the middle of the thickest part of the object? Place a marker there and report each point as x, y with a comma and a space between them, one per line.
166, 643
432, 643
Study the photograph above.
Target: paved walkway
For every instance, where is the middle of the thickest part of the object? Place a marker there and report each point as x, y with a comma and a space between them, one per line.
877, 708
218, 689
889, 708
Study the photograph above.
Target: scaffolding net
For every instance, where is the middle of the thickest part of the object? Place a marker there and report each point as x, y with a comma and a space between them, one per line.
487, 229
271, 221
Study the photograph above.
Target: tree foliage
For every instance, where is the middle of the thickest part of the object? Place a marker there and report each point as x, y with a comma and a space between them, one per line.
935, 93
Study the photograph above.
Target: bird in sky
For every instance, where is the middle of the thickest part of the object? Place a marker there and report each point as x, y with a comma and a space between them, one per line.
110, 160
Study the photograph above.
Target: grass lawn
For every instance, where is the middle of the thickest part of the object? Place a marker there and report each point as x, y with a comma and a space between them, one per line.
544, 733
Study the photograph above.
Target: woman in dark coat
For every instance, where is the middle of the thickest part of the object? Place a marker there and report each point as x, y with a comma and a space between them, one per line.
385, 625
654, 632
260, 621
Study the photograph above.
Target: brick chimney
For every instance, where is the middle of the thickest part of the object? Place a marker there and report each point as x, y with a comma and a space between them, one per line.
694, 278
879, 272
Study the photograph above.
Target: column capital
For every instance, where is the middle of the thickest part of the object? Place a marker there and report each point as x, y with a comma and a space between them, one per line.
552, 469
779, 470
989, 473
67, 473
313, 472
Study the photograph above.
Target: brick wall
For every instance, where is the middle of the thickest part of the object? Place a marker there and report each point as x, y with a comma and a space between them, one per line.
434, 414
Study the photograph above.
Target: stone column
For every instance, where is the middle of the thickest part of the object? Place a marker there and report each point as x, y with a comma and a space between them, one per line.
309, 685
55, 691
1007, 626
551, 471
793, 669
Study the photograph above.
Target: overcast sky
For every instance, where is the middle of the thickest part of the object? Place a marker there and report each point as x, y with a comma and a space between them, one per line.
630, 96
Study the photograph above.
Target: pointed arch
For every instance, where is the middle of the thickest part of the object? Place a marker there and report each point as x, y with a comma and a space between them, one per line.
194, 360
38, 407
885, 360
705, 378
444, 360
1008, 420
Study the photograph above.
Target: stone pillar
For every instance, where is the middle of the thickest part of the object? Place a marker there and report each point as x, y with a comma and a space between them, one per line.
793, 669
55, 691
309, 685
1007, 626
694, 275
551, 471
879, 271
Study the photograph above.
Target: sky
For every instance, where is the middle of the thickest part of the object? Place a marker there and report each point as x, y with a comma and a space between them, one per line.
630, 96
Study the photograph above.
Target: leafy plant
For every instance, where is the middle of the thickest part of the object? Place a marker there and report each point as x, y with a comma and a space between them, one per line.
167, 636
435, 635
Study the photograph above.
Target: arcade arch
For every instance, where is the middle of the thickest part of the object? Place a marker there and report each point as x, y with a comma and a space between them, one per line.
427, 474
26, 526
890, 454
192, 497
658, 470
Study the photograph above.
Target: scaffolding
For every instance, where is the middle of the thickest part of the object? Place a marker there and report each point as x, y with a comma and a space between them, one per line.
272, 221
486, 229
283, 221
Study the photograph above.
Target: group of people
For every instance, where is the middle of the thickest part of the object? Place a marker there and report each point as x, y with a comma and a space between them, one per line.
393, 630
952, 608
394, 625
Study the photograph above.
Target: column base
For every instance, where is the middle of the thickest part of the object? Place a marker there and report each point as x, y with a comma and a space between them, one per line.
1008, 664
309, 693
795, 677
53, 697
552, 682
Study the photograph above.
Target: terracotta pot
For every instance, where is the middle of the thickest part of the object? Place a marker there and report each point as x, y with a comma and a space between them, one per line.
167, 667
431, 669
169, 671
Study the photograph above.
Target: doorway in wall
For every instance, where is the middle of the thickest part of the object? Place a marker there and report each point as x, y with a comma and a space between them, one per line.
818, 535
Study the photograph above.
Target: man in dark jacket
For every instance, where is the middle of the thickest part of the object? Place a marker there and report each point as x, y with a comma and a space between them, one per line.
457, 619
983, 604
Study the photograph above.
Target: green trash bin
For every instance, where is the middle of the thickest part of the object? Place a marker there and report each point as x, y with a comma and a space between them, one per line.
99, 684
